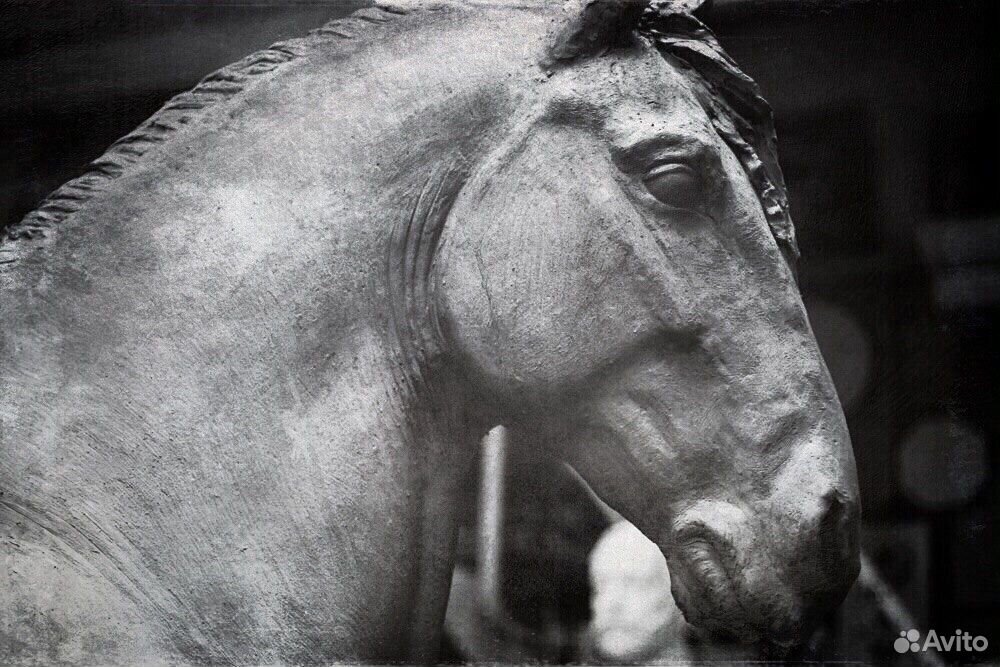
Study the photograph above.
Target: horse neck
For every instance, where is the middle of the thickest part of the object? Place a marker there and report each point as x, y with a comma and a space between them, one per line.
241, 332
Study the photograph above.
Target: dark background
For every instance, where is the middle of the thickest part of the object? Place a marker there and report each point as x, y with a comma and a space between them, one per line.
887, 115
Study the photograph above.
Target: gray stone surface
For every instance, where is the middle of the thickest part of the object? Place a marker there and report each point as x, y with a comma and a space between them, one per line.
247, 358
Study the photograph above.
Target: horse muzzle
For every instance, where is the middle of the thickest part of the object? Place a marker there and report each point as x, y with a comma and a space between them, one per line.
773, 583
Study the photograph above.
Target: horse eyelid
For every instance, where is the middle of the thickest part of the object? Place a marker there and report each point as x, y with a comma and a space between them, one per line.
675, 184
668, 168
642, 156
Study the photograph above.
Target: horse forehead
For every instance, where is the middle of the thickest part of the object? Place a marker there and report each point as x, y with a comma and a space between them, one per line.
621, 92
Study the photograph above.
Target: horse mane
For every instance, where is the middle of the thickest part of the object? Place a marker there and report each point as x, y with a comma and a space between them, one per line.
215, 88
733, 101
734, 104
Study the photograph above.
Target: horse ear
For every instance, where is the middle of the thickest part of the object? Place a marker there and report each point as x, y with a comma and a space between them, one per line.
589, 27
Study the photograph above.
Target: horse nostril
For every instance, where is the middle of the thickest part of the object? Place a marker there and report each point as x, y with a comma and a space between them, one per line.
704, 578
838, 528
696, 535
706, 555
837, 511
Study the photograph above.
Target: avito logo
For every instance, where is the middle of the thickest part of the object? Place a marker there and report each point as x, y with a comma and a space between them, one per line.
909, 640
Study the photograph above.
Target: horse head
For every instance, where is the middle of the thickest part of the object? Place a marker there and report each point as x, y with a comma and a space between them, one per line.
248, 354
618, 277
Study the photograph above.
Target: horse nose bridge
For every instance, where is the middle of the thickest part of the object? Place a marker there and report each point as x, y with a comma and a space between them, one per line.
819, 457
774, 364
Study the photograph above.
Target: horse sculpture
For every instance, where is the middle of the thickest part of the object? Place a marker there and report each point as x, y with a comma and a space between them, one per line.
248, 357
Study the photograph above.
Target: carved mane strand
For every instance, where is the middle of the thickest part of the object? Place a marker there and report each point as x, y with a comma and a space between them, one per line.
178, 112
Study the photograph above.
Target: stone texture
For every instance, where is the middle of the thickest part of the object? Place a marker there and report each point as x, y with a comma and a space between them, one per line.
247, 358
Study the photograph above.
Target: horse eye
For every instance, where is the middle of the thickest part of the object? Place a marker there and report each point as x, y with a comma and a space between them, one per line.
674, 184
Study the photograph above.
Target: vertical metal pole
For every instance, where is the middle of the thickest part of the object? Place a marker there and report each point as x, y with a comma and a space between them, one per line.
491, 512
